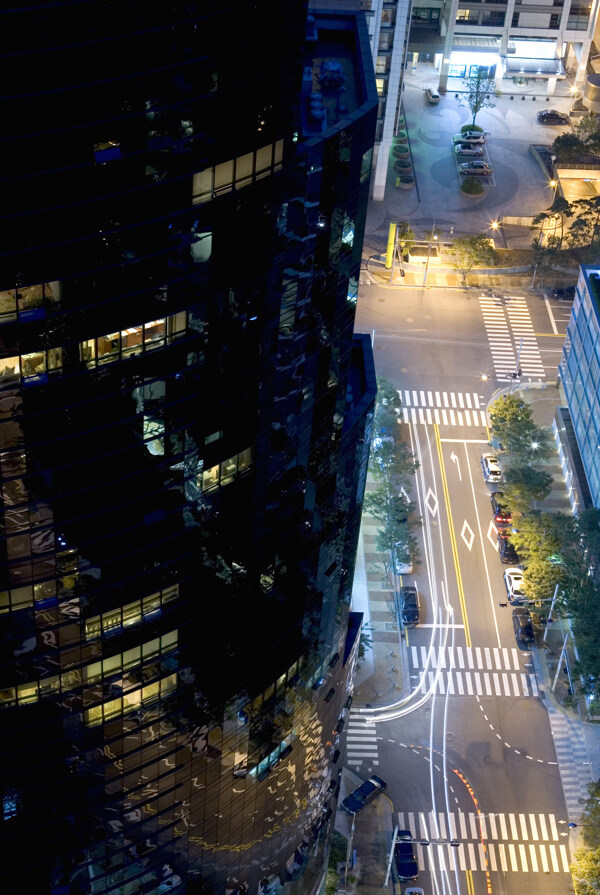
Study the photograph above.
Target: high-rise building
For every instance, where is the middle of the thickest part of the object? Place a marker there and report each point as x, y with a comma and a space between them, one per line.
578, 430
184, 432
515, 43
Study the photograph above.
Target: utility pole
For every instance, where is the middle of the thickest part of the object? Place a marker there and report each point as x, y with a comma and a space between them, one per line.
549, 620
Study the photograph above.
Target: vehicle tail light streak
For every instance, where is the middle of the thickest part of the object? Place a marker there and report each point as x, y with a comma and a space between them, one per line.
469, 789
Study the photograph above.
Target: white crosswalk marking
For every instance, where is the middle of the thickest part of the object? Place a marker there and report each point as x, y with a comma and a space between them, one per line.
495, 674
361, 741
429, 406
507, 322
533, 858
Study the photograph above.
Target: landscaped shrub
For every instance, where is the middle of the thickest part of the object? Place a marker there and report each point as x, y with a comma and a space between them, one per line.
471, 186
471, 127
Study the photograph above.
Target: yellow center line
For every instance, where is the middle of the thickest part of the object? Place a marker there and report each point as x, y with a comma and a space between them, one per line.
470, 886
461, 592
550, 335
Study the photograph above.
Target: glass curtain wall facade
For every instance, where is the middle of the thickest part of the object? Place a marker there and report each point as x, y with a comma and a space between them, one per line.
184, 432
580, 374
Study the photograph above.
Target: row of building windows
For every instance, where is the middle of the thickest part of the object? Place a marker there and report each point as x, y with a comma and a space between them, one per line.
101, 350
115, 620
87, 674
237, 173
130, 702
27, 301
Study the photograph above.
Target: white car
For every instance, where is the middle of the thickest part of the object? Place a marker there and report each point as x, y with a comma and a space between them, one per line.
477, 137
513, 581
468, 149
492, 471
432, 95
481, 169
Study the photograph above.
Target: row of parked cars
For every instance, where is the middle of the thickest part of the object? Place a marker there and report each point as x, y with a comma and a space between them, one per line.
513, 576
472, 143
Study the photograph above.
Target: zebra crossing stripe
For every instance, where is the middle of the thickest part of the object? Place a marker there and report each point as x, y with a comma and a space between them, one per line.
553, 827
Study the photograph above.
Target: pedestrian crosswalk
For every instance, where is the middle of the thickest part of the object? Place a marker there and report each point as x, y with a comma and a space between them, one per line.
471, 671
507, 322
519, 843
443, 408
361, 742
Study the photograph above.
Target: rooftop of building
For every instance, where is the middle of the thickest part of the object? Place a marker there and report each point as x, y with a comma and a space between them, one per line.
338, 76
591, 274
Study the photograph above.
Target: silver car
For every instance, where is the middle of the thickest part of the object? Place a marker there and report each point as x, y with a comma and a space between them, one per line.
477, 137
492, 471
468, 149
481, 169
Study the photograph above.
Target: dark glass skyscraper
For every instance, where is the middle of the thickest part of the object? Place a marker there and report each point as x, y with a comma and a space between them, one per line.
184, 430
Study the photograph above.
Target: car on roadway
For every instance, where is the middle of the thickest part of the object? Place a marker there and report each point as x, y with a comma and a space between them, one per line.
565, 294
404, 857
513, 582
523, 626
432, 95
506, 550
469, 137
413, 890
363, 794
409, 605
492, 471
553, 116
476, 168
502, 515
402, 568
473, 149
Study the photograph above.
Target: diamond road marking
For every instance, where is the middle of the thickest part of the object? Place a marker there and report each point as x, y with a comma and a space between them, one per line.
467, 535
431, 502
492, 536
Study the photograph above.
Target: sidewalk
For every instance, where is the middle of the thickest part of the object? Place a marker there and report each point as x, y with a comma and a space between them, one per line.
381, 677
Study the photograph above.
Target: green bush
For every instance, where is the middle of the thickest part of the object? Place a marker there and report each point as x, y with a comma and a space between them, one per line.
471, 186
339, 847
471, 127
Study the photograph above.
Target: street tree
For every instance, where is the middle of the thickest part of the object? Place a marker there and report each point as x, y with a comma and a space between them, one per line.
405, 237
523, 485
583, 607
590, 816
470, 251
584, 230
546, 536
478, 88
546, 253
513, 426
540, 579
387, 408
588, 526
585, 871
554, 220
588, 131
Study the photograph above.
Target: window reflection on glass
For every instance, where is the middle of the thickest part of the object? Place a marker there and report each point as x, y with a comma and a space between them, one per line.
210, 478
154, 332
228, 470
33, 364
8, 303
9, 367
54, 358
107, 346
245, 459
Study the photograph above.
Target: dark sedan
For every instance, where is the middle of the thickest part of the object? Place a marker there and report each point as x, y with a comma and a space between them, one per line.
553, 116
404, 856
506, 551
409, 604
523, 626
357, 800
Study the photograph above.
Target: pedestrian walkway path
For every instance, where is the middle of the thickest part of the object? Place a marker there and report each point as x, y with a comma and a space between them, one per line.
444, 408
517, 843
507, 321
573, 758
361, 742
472, 671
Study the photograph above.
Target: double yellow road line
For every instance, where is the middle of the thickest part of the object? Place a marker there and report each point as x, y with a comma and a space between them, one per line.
461, 592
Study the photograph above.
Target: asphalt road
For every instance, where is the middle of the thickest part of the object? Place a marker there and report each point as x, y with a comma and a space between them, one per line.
481, 717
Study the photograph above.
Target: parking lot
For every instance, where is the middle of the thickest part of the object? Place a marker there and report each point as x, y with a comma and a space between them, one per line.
518, 186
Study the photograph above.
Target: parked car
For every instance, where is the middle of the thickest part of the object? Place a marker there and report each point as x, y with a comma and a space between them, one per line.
402, 568
553, 116
432, 95
469, 137
506, 551
404, 856
409, 605
477, 168
490, 465
367, 791
473, 149
513, 582
502, 515
565, 294
523, 626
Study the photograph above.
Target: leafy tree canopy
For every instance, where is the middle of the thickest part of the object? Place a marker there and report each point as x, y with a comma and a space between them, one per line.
568, 148
591, 816
405, 237
512, 424
477, 97
469, 251
523, 485
585, 870
545, 535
